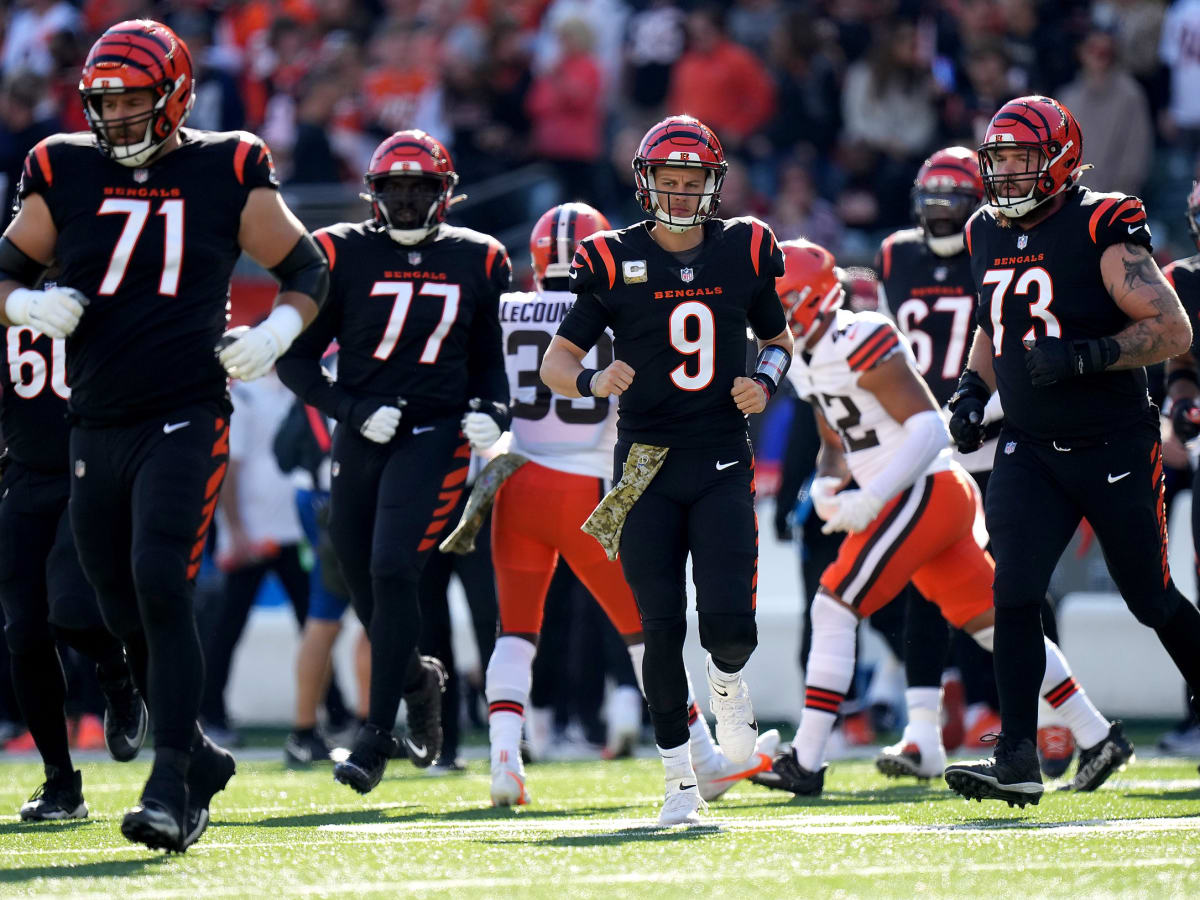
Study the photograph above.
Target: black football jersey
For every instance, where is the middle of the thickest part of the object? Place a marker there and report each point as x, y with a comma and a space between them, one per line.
152, 249
1046, 282
419, 323
932, 298
33, 399
681, 326
1184, 274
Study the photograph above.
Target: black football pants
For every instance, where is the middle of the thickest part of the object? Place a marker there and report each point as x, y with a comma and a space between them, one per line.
389, 506
142, 499
701, 502
1037, 495
45, 596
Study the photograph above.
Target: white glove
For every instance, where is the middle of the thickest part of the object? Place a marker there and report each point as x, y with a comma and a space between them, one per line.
823, 493
856, 510
55, 312
250, 353
381, 425
481, 430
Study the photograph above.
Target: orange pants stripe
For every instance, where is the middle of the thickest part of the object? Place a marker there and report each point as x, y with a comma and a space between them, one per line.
536, 517
923, 536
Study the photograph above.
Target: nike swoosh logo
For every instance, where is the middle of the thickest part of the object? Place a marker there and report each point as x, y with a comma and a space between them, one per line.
1113, 479
723, 466
167, 429
716, 690
419, 752
686, 787
422, 429
1132, 228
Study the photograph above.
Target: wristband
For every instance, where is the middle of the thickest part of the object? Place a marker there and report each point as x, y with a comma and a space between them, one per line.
583, 382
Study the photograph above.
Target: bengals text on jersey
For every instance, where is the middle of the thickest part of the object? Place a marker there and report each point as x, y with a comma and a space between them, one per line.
1046, 282
152, 249
679, 322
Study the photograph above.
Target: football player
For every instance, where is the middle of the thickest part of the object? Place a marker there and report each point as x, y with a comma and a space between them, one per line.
539, 509
1072, 307
145, 220
910, 517
42, 589
677, 292
413, 305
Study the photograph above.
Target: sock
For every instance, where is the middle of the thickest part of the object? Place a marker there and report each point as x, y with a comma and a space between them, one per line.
637, 653
718, 676
1069, 700
704, 752
1020, 661
830, 671
924, 716
677, 763
509, 674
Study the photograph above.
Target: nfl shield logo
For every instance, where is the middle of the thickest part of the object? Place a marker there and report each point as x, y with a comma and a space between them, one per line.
940, 273
1022, 241
686, 275
1010, 448
414, 259
140, 175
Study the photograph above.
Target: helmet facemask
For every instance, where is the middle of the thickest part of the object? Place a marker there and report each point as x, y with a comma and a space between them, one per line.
943, 216
154, 125
658, 201
410, 206
1035, 176
807, 310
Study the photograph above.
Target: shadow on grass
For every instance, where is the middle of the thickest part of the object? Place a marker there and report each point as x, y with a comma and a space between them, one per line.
901, 793
43, 827
1185, 794
110, 868
636, 835
408, 814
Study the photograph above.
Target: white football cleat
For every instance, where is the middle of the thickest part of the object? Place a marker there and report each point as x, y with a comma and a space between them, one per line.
725, 774
682, 803
913, 758
508, 779
737, 729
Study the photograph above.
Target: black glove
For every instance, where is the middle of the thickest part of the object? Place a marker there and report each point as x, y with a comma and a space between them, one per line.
966, 412
1185, 418
1052, 359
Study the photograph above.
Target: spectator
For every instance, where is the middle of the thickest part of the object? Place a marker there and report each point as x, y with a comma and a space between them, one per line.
720, 83
800, 212
806, 64
566, 108
655, 42
967, 113
1180, 50
312, 158
1111, 108
219, 105
29, 32
24, 122
752, 23
402, 89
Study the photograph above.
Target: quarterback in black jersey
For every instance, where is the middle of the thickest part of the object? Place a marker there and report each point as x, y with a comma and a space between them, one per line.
414, 307
42, 589
677, 293
1071, 309
144, 220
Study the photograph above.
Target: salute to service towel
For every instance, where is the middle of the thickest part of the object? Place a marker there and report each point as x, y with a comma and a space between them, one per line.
608, 518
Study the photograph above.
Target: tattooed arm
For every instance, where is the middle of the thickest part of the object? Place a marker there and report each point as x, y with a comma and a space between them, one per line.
1160, 327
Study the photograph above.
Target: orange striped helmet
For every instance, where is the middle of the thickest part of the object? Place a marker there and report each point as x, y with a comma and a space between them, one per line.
556, 234
138, 54
808, 288
1047, 129
679, 141
410, 180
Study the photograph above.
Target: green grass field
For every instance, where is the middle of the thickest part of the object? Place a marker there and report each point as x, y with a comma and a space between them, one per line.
590, 832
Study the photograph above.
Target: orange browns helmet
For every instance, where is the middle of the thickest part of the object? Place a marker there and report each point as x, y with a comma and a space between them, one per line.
1193, 213
809, 288
1045, 126
555, 236
138, 54
679, 141
946, 191
410, 181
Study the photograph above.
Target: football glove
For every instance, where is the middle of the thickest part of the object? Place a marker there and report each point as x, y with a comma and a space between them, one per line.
966, 412
381, 425
823, 494
856, 509
250, 353
1185, 418
1052, 359
484, 424
55, 312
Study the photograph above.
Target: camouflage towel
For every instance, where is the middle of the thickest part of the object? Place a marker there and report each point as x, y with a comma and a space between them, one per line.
462, 539
608, 518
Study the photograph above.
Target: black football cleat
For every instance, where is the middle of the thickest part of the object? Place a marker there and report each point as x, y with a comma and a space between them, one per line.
209, 773
159, 820
125, 719
305, 747
1012, 775
363, 768
60, 798
786, 774
1097, 763
423, 736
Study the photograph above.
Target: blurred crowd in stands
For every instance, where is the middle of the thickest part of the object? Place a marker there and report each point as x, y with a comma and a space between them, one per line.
826, 107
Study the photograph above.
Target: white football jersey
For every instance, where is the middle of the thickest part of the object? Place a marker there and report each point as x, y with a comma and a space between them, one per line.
572, 435
828, 378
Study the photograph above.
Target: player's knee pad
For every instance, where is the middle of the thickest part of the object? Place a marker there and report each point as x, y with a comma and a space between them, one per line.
160, 579
510, 670
729, 637
1156, 610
